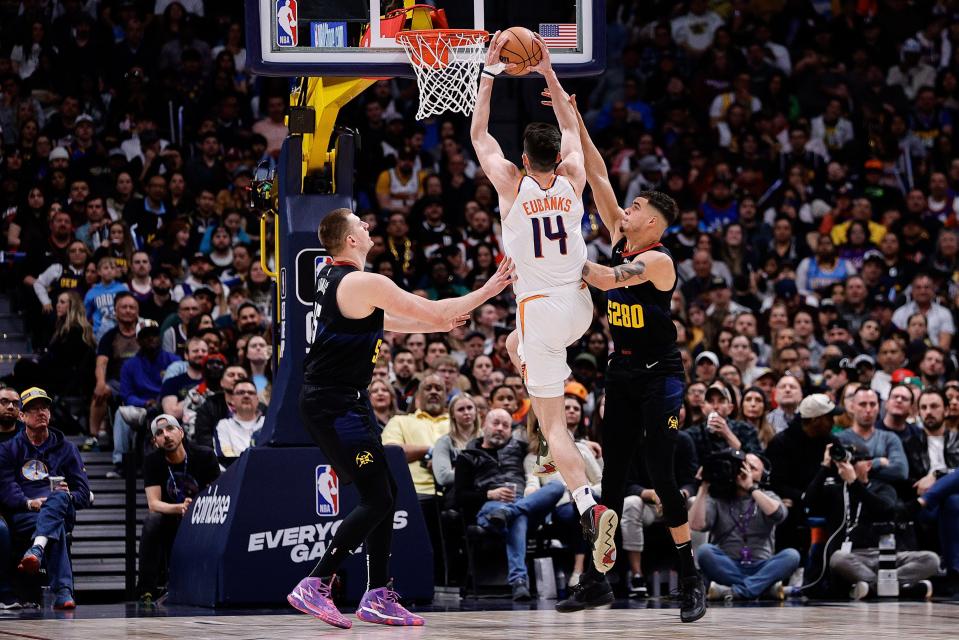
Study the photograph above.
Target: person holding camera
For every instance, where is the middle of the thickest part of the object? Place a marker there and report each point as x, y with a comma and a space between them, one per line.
720, 431
855, 505
741, 518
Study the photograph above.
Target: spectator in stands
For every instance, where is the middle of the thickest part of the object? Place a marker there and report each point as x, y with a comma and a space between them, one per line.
140, 382
489, 477
719, 431
159, 305
9, 415
99, 299
794, 456
418, 432
175, 337
217, 406
788, 398
38, 511
173, 393
888, 457
117, 345
237, 432
939, 322
899, 410
873, 502
464, 428
382, 398
753, 410
741, 561
256, 359
173, 475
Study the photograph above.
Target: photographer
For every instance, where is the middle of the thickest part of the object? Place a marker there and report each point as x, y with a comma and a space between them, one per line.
854, 506
741, 518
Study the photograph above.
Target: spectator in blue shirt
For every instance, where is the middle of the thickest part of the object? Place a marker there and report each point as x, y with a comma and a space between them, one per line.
39, 509
99, 299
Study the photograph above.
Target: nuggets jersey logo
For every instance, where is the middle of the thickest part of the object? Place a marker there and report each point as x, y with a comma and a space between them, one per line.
327, 491
364, 458
543, 235
673, 422
34, 470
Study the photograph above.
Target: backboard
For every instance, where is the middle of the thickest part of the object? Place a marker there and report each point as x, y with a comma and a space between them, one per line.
329, 37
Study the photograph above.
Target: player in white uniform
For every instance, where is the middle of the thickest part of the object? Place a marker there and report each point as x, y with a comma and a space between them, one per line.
542, 213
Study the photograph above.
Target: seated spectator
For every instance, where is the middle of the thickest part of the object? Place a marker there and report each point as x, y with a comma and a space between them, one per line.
872, 502
382, 398
464, 428
794, 456
898, 414
9, 414
418, 432
257, 361
719, 431
173, 475
68, 362
38, 511
140, 382
159, 305
940, 325
888, 456
117, 345
489, 476
216, 405
175, 390
99, 299
788, 399
175, 335
236, 433
740, 561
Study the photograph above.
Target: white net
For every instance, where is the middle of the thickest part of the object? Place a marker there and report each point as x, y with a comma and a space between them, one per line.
447, 65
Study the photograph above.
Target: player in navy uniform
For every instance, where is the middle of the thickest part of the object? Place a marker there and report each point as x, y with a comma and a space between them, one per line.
351, 310
645, 377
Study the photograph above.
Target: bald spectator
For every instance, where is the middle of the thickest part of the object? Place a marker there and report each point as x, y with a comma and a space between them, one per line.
939, 321
888, 458
788, 397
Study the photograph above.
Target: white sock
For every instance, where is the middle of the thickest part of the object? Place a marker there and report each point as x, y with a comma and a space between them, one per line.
583, 498
40, 541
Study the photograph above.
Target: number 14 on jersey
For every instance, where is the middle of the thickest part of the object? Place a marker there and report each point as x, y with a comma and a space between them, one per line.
544, 226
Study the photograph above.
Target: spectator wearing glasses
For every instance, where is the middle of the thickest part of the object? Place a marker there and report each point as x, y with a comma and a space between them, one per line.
38, 509
9, 413
237, 432
217, 406
173, 475
899, 410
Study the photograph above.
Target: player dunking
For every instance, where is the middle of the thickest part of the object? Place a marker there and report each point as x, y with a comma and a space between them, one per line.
541, 216
645, 376
352, 309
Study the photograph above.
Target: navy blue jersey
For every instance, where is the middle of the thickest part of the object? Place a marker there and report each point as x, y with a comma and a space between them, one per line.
344, 350
644, 336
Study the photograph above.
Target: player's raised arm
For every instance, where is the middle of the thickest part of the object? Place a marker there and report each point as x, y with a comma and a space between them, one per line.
361, 292
501, 172
571, 148
652, 267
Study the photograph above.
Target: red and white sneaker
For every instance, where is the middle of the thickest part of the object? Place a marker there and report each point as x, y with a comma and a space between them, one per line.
544, 461
599, 527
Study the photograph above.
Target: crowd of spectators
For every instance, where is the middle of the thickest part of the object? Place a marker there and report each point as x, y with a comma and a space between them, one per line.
810, 148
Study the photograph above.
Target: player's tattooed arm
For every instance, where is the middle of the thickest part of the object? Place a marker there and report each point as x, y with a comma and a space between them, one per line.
624, 275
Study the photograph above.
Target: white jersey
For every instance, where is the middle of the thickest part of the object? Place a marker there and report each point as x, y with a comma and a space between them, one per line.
543, 234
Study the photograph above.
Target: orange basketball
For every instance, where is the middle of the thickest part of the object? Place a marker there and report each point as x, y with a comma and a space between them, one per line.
521, 48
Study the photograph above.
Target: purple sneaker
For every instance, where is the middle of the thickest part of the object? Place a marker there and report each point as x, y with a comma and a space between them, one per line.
312, 596
381, 606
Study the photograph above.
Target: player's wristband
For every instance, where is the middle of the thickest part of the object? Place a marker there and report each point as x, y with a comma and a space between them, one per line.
493, 70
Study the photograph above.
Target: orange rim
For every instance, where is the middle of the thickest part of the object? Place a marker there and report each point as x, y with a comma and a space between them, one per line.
456, 37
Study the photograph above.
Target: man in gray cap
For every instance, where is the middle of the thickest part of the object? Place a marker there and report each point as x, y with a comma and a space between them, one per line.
173, 475
795, 455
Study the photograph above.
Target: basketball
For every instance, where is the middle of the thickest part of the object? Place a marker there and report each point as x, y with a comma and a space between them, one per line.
521, 48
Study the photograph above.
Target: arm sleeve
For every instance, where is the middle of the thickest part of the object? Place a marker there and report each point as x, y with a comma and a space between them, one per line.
443, 462
44, 280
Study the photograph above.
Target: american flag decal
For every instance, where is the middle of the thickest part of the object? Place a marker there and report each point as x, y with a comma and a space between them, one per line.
559, 36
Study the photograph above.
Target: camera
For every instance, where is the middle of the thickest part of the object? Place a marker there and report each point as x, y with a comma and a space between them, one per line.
839, 452
720, 470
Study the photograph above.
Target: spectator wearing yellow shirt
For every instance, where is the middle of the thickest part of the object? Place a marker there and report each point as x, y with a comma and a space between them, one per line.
419, 431
862, 211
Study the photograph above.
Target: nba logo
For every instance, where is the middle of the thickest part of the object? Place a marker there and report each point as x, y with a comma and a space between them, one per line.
327, 491
286, 31
318, 263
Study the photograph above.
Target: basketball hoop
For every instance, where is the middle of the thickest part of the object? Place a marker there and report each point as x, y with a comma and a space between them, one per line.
447, 64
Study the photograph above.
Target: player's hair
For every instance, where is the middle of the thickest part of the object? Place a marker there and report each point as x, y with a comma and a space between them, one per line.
541, 144
334, 228
664, 204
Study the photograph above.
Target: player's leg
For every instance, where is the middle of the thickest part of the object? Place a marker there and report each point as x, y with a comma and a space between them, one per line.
661, 402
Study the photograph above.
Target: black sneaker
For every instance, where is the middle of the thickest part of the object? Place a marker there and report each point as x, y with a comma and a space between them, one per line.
589, 593
521, 591
693, 593
921, 590
637, 586
599, 528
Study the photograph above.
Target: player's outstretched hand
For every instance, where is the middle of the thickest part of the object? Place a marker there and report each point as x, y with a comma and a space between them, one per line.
495, 46
458, 321
505, 275
545, 64
547, 100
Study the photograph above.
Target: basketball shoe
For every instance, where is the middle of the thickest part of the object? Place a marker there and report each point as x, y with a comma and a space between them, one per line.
312, 596
382, 606
692, 592
599, 527
591, 592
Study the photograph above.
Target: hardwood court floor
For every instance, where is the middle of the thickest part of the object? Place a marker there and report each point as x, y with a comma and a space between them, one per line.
916, 621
